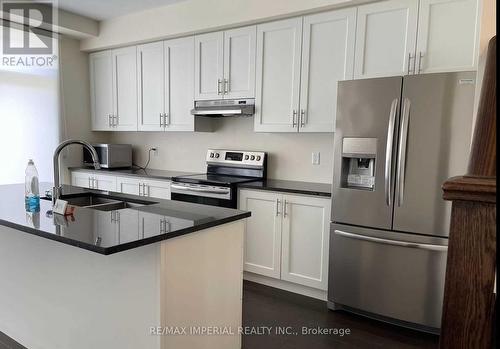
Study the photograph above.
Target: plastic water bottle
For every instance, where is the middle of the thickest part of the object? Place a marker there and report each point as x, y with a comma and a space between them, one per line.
31, 190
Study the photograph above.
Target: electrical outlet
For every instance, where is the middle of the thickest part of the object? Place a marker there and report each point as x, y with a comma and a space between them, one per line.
154, 150
316, 158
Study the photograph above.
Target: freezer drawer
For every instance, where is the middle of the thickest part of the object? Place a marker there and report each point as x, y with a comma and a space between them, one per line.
394, 275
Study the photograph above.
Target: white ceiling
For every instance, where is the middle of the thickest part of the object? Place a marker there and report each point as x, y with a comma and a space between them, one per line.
105, 9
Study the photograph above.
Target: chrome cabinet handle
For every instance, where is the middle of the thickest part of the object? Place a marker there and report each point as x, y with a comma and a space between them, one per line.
294, 118
115, 120
403, 141
302, 118
161, 226
431, 247
161, 119
95, 184
278, 207
285, 213
90, 184
140, 194
219, 83
167, 119
420, 57
147, 186
109, 120
410, 57
388, 151
226, 86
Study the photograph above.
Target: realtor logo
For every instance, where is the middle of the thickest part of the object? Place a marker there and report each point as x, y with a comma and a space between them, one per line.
27, 27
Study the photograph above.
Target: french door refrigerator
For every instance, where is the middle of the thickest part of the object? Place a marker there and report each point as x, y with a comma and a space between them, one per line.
397, 140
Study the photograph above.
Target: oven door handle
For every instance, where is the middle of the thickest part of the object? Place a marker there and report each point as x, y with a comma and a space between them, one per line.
199, 190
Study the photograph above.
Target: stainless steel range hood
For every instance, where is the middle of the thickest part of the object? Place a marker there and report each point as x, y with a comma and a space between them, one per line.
224, 108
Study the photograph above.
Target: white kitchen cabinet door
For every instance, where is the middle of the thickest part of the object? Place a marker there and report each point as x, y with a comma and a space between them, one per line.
125, 89
128, 225
448, 35
157, 189
262, 232
151, 66
239, 62
278, 76
385, 38
81, 179
305, 240
128, 185
106, 228
150, 224
101, 90
104, 182
327, 58
179, 84
209, 65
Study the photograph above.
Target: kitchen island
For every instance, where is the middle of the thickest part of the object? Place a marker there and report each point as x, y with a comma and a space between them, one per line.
129, 272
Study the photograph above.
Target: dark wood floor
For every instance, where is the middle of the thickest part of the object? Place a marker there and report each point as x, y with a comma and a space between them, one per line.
266, 306
269, 307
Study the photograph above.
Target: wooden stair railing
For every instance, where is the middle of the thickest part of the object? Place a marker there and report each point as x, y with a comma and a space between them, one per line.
469, 301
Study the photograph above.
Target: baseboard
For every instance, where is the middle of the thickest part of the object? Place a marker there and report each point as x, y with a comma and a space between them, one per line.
287, 286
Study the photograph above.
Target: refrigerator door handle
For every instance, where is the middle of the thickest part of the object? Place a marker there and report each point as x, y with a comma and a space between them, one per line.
442, 248
388, 151
403, 141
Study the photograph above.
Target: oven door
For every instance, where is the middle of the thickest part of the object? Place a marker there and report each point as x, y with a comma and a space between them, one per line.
203, 194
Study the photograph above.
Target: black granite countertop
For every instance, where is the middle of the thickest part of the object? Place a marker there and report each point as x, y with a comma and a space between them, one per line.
108, 232
295, 187
136, 172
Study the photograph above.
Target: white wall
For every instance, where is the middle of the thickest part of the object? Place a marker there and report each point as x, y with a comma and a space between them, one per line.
191, 16
290, 154
75, 100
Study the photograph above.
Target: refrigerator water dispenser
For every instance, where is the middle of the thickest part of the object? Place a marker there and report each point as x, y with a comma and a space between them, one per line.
358, 163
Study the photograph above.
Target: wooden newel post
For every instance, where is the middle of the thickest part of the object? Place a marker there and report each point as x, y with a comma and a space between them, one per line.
469, 300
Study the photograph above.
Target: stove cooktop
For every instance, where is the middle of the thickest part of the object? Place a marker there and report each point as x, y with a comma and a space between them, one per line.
213, 179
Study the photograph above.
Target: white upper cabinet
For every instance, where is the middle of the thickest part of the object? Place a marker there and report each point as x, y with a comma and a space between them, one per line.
113, 81
125, 89
448, 35
225, 64
327, 58
151, 66
239, 63
209, 65
179, 84
385, 38
101, 90
166, 85
278, 76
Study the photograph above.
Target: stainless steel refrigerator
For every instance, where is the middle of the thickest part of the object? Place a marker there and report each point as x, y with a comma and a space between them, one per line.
397, 140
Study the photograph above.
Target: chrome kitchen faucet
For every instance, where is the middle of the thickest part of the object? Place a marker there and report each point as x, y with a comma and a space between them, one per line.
56, 191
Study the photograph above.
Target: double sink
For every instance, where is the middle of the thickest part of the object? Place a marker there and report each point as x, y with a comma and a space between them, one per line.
101, 202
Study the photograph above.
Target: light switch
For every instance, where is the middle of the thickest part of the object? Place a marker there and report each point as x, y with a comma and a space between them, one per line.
316, 158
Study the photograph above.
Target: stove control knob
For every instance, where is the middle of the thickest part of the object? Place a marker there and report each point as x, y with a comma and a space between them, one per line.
258, 158
217, 155
247, 157
211, 155
252, 157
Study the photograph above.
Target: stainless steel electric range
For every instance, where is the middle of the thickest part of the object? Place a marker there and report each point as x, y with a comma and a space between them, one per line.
219, 185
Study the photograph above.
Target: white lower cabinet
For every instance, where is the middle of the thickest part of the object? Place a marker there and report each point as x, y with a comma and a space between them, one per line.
140, 186
263, 232
93, 180
287, 237
143, 187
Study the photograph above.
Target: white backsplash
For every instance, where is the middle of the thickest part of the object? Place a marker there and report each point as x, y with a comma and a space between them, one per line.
290, 154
